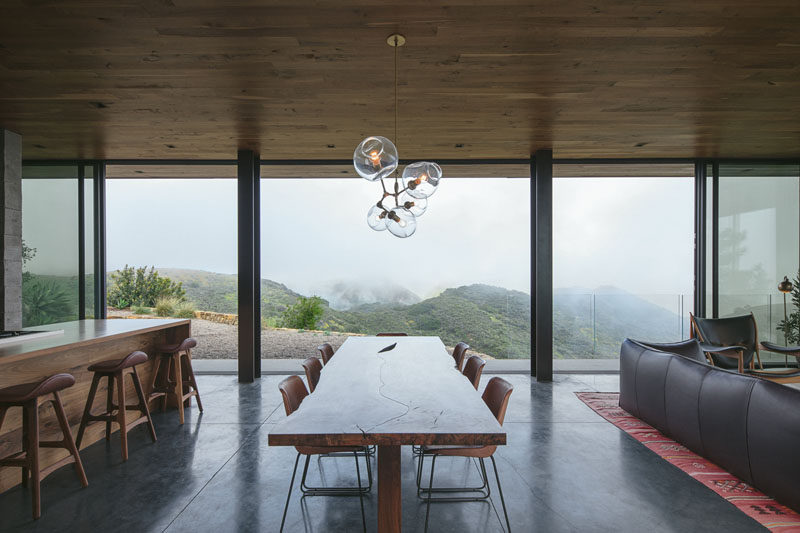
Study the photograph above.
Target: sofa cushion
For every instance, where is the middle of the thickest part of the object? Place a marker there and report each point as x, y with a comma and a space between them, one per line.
774, 440
681, 398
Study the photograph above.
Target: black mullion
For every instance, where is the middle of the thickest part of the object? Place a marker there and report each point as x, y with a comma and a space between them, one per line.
543, 291
81, 244
715, 241
700, 214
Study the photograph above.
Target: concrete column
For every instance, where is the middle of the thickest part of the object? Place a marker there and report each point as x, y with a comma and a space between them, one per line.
11, 207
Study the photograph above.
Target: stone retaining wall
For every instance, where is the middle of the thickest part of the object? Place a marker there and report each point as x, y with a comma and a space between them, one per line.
220, 318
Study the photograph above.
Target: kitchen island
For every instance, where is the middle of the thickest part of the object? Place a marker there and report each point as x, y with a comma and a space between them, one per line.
82, 343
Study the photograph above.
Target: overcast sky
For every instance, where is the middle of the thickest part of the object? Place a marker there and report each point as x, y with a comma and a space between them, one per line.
629, 233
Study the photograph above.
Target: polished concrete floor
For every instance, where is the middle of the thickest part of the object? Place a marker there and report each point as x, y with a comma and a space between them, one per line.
564, 469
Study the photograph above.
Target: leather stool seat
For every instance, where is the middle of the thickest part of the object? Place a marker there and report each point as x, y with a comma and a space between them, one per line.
115, 365
29, 391
169, 349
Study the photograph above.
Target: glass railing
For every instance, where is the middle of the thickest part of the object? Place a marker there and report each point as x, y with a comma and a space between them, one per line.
593, 325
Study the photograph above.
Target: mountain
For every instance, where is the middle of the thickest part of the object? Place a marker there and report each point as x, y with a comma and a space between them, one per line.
493, 320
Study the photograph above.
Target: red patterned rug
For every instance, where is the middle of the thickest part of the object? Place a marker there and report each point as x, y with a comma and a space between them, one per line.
756, 505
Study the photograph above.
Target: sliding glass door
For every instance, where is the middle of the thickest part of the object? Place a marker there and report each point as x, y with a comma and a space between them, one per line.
758, 242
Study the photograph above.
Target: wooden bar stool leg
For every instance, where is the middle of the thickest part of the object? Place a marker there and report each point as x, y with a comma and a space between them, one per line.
178, 385
143, 403
32, 454
123, 425
25, 471
193, 381
87, 410
167, 376
109, 405
68, 442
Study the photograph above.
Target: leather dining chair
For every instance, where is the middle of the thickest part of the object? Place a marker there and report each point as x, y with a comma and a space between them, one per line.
293, 391
496, 396
473, 369
313, 367
391, 335
325, 352
459, 352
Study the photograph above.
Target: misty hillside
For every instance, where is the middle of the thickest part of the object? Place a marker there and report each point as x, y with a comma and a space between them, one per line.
347, 295
493, 320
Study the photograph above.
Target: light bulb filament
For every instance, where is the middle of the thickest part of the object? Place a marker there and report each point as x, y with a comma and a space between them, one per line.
375, 157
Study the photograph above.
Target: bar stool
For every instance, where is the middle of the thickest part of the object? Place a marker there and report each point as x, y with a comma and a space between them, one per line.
115, 370
173, 376
27, 396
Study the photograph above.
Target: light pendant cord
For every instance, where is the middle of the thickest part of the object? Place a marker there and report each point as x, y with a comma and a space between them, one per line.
397, 170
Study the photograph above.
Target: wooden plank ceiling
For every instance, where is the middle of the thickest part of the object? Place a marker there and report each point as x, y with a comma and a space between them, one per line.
198, 79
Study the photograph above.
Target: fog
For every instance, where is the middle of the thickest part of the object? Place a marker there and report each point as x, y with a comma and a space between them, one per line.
629, 233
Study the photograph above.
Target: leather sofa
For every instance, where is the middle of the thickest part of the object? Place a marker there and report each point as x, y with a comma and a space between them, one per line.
746, 425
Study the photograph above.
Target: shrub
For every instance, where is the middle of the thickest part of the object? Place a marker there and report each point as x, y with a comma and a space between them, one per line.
141, 287
184, 310
140, 310
271, 322
304, 314
44, 303
165, 306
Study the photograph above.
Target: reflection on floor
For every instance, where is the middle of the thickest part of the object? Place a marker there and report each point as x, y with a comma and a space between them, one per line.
565, 469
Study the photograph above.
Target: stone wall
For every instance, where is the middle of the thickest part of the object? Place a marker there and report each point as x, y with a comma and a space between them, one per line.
11, 225
221, 318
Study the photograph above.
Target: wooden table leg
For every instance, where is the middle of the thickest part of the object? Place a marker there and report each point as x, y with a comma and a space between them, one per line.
389, 493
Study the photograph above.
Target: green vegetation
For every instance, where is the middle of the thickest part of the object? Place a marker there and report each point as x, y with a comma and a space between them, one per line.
142, 287
44, 302
184, 310
141, 310
305, 313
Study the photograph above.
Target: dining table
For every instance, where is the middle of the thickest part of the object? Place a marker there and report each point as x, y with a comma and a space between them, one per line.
390, 392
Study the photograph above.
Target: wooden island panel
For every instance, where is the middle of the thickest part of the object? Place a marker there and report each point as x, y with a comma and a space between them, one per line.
82, 344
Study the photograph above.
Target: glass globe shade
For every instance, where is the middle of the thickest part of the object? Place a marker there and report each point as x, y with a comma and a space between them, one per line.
375, 158
417, 206
422, 178
401, 222
375, 220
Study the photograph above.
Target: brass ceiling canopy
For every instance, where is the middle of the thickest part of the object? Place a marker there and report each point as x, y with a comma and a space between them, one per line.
396, 40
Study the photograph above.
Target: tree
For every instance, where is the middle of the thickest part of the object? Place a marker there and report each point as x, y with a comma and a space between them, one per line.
140, 286
305, 313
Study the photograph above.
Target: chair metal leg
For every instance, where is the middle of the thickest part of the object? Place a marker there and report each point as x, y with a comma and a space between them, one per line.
360, 492
484, 490
500, 490
430, 492
289, 494
335, 491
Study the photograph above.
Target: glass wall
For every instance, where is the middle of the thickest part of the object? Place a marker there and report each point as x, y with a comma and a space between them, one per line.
181, 235
622, 258
50, 235
759, 243
463, 276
